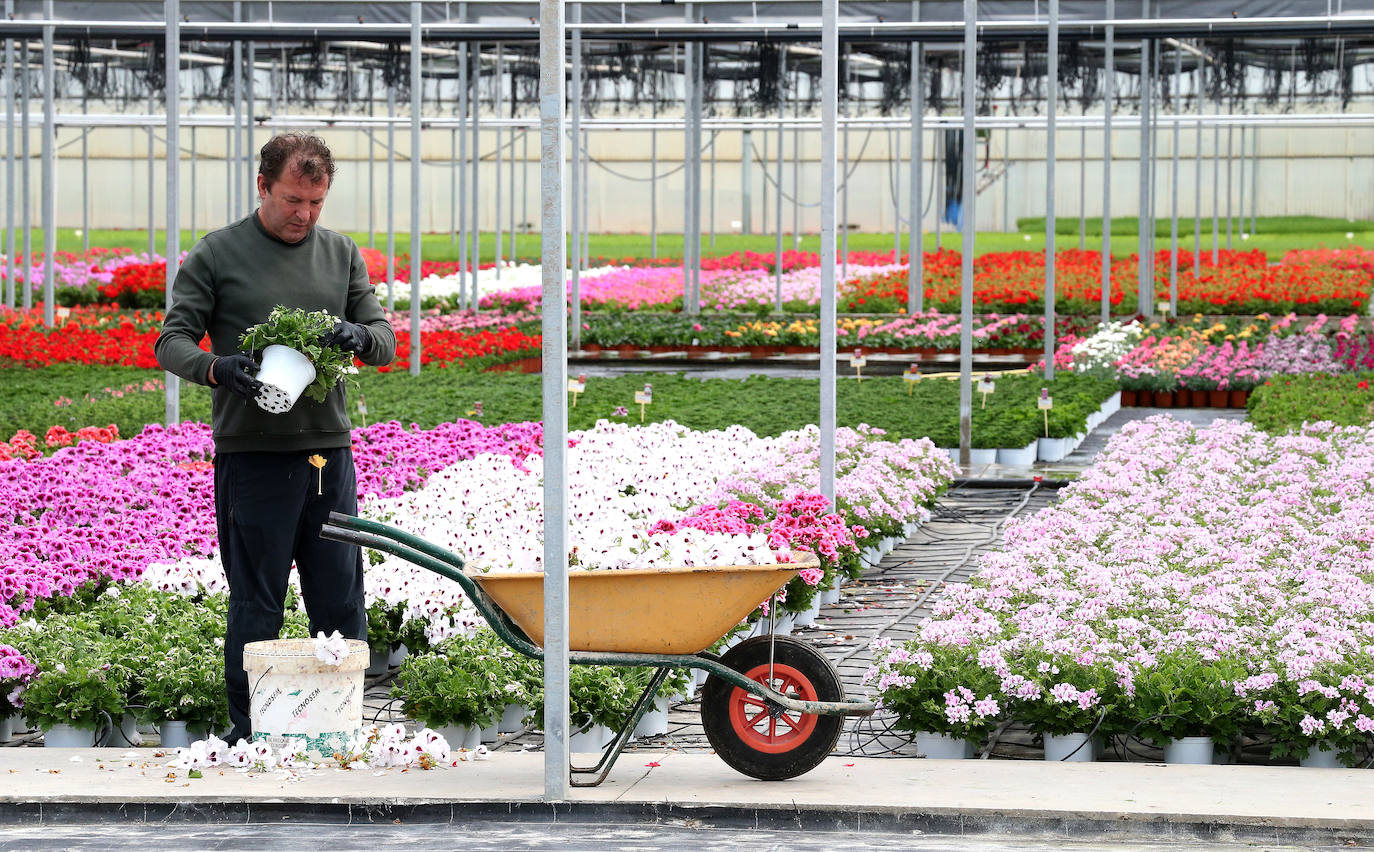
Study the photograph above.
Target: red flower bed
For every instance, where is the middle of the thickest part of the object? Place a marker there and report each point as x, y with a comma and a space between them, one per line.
456, 348
137, 285
1240, 282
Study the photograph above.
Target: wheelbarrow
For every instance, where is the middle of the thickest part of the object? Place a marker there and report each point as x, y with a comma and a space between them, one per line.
772, 707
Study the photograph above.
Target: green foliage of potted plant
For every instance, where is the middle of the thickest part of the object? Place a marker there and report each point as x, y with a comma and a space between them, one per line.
939, 689
301, 330
1183, 695
457, 684
79, 681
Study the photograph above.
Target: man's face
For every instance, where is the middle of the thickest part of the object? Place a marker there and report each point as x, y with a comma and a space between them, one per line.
292, 204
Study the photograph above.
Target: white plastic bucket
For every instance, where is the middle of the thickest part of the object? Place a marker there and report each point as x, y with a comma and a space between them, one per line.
937, 746
1195, 751
294, 695
1069, 748
284, 376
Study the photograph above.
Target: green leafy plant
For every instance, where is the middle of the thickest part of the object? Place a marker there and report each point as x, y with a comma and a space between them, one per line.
301, 330
938, 688
1184, 695
461, 682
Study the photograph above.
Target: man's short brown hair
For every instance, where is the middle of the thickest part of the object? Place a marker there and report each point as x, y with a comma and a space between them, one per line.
305, 153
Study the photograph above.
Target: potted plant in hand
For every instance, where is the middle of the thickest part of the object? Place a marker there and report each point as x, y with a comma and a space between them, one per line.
293, 360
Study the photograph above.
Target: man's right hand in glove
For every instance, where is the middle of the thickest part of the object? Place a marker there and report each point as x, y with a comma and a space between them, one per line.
232, 371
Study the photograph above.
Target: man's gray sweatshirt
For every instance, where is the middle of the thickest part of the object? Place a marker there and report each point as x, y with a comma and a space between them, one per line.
232, 279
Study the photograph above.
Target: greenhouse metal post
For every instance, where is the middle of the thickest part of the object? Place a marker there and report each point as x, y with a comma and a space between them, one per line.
250, 189
711, 199
192, 194
1254, 184
552, 87
1230, 173
1240, 203
688, 78
1173, 194
796, 172
1143, 220
1108, 93
461, 167
86, 177
234, 165
1197, 165
782, 115
1083, 187
585, 217
475, 223
746, 176
25, 213
371, 166
653, 183
417, 105
152, 187
1216, 182
915, 281
967, 214
11, 266
496, 189
698, 96
391, 195
1051, 106
830, 82
49, 176
575, 187
172, 8
844, 197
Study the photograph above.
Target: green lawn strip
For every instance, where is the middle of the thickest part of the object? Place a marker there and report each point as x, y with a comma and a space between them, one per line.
1286, 233
1284, 403
1264, 226
765, 405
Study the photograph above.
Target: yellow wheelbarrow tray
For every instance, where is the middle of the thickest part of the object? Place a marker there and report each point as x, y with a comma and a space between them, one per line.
772, 706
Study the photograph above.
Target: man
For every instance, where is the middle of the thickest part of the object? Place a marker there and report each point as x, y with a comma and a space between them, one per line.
267, 508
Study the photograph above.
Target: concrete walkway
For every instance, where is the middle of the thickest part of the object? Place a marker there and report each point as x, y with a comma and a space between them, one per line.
1032, 798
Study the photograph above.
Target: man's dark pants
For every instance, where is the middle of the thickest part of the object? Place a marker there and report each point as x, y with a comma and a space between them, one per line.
269, 508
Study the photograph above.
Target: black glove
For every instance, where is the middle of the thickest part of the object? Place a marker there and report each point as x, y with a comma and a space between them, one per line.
348, 336
233, 372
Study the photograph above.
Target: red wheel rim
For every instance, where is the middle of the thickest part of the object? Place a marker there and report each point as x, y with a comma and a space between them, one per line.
763, 732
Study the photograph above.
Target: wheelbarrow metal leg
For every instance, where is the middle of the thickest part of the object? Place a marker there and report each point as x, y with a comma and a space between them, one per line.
622, 737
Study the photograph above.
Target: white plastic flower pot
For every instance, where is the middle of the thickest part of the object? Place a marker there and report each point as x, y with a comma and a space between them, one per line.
1069, 748
977, 457
6, 729
377, 663
126, 734
1194, 751
285, 374
175, 735
68, 736
297, 697
398, 655
1018, 456
1322, 757
490, 734
1053, 449
829, 597
512, 718
590, 741
460, 736
654, 722
935, 746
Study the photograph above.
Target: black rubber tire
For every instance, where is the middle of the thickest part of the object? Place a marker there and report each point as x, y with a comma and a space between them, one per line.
806, 754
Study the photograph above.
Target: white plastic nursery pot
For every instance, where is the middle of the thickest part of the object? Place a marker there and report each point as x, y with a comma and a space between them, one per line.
398, 655
982, 456
1320, 757
460, 736
1018, 456
654, 722
6, 728
1069, 748
935, 746
590, 741
126, 734
1053, 449
297, 696
490, 734
1194, 751
512, 719
68, 736
285, 374
829, 597
377, 663
175, 735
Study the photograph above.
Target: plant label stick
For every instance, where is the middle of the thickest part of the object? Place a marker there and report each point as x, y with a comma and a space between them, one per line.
63, 312
577, 386
911, 377
986, 386
1045, 404
643, 398
1162, 308
362, 407
857, 362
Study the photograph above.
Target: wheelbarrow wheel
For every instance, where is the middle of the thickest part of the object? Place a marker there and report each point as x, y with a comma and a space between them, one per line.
779, 745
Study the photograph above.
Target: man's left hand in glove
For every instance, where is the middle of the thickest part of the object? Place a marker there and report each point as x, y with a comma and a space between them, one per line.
349, 336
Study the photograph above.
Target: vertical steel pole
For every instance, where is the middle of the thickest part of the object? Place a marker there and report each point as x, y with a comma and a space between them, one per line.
236, 189
417, 107
969, 215
575, 183
782, 114
653, 182
711, 197
586, 216
371, 163
11, 284
152, 177
1254, 182
1216, 183
524, 149
1173, 195
1230, 172
475, 235
1197, 167
1006, 179
688, 78
1240, 204
49, 178
172, 10
830, 85
391, 196
555, 389
1144, 223
1051, 116
894, 172
500, 104
1108, 93
453, 188
698, 96
796, 172
26, 211
915, 281
524, 181
85, 177
461, 166
193, 196
844, 192
941, 203
1083, 188
251, 102
746, 194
